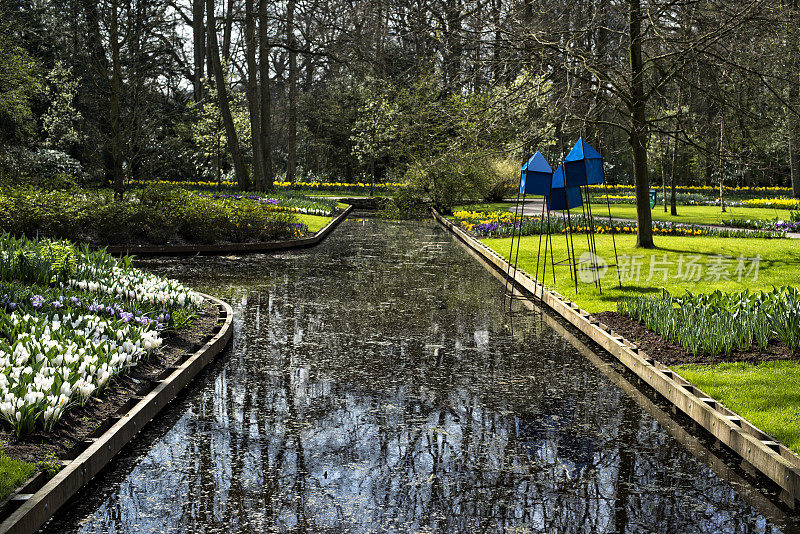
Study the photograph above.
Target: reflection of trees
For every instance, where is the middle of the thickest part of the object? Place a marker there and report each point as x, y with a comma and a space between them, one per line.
366, 392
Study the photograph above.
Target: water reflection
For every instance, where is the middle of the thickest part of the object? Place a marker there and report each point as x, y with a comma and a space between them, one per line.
373, 385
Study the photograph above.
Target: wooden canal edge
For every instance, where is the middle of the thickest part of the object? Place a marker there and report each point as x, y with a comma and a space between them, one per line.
269, 246
36, 506
765, 454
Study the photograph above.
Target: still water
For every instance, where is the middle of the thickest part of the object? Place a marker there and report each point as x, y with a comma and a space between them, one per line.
374, 384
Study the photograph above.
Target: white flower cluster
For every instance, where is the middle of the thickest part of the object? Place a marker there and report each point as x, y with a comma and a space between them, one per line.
50, 363
137, 285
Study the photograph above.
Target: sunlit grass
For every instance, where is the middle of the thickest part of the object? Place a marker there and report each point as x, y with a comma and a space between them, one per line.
779, 265
767, 394
315, 222
12, 474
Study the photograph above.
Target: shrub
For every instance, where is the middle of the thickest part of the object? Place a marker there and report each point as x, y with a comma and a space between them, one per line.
449, 179
501, 181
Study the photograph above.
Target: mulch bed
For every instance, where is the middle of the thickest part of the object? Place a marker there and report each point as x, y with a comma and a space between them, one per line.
79, 422
670, 354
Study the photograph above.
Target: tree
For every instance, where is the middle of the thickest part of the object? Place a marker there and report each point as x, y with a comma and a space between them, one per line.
19, 85
242, 177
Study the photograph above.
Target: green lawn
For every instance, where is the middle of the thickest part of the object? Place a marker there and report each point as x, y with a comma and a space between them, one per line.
12, 474
315, 222
767, 395
779, 265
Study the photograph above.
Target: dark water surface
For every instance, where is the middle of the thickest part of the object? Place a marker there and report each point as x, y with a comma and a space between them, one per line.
374, 385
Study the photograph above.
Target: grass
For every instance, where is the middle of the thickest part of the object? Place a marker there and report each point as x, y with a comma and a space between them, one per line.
12, 474
780, 260
767, 394
694, 214
315, 222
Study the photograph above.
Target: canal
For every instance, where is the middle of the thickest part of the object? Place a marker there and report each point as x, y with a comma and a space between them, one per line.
378, 383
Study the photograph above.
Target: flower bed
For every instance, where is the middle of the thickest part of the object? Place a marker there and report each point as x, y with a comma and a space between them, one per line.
70, 321
782, 203
153, 216
293, 204
502, 224
718, 323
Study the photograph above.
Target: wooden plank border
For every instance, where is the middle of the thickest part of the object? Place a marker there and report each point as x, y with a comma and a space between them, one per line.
180, 250
756, 447
38, 507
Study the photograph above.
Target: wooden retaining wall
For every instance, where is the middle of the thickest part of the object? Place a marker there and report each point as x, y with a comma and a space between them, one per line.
231, 248
773, 459
38, 500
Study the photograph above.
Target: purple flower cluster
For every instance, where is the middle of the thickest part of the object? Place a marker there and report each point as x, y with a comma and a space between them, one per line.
115, 310
787, 226
273, 201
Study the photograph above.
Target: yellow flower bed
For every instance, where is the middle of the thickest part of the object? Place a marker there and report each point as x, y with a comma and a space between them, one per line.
780, 203
705, 189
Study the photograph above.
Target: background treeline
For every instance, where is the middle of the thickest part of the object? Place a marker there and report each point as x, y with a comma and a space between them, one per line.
691, 92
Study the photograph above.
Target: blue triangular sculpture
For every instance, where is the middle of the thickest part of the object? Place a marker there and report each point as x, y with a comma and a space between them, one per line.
560, 197
583, 165
535, 176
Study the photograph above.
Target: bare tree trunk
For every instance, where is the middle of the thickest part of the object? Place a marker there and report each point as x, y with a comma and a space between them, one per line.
227, 31
242, 179
638, 133
199, 45
720, 158
116, 94
253, 98
266, 96
291, 160
794, 94
673, 200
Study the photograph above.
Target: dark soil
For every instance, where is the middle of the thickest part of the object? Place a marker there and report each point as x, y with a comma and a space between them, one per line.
80, 422
670, 354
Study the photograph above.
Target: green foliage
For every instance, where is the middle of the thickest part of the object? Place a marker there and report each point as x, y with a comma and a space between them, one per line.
406, 204
51, 465
208, 131
12, 474
501, 181
153, 215
19, 85
717, 323
450, 178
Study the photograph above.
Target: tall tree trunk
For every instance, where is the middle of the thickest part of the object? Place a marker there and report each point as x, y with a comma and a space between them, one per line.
199, 45
227, 31
116, 96
253, 98
266, 95
101, 98
291, 160
638, 133
794, 94
720, 162
242, 178
676, 160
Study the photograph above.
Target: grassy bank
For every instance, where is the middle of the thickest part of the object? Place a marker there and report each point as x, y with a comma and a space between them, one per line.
780, 260
766, 394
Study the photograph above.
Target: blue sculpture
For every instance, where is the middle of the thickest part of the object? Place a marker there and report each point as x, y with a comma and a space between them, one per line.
583, 165
535, 176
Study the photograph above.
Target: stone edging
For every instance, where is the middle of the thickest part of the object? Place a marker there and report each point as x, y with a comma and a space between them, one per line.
757, 448
39, 505
177, 250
